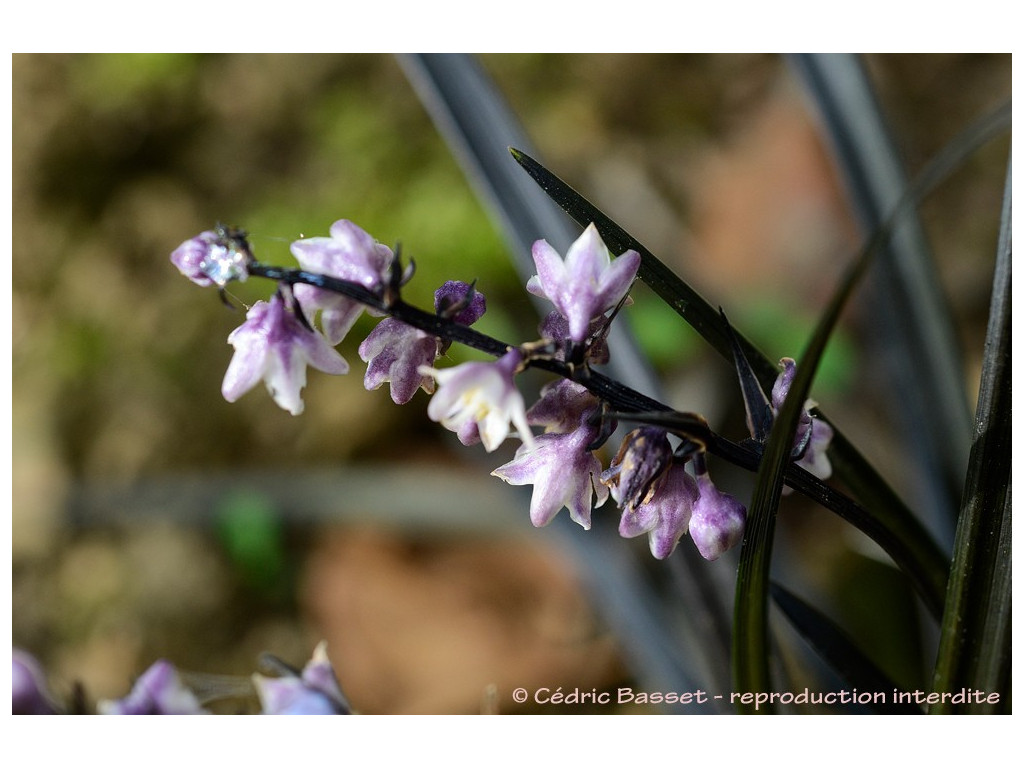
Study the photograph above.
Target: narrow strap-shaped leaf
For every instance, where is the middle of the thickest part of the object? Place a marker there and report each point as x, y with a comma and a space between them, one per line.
840, 652
974, 650
918, 344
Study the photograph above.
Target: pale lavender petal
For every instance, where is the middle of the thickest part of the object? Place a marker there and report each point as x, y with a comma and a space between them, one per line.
316, 692
666, 515
550, 280
562, 473
674, 502
248, 364
638, 521
339, 313
348, 254
587, 258
275, 346
617, 279
562, 406
395, 352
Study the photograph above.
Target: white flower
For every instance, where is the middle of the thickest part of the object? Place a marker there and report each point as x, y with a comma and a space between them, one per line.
482, 394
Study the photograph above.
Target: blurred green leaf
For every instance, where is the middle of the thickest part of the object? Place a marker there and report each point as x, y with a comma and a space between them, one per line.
836, 648
252, 535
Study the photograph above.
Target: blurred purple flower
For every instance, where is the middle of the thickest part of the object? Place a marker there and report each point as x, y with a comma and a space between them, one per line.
273, 345
586, 284
158, 691
480, 394
29, 694
314, 692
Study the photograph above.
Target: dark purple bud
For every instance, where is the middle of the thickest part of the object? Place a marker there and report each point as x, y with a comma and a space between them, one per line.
460, 302
644, 457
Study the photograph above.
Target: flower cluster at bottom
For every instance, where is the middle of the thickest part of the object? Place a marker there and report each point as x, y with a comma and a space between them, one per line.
161, 690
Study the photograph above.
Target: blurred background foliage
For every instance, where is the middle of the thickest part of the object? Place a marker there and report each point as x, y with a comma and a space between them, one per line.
151, 518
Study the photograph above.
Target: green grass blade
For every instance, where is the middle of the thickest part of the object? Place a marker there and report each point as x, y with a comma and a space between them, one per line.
974, 650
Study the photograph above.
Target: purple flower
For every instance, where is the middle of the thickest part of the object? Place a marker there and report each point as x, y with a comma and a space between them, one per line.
159, 691
395, 351
273, 345
562, 407
643, 458
586, 284
562, 473
348, 254
480, 396
813, 435
29, 694
717, 521
214, 257
315, 692
666, 515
